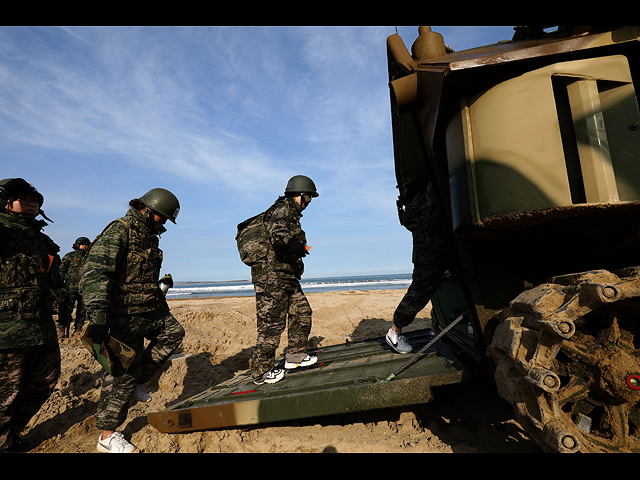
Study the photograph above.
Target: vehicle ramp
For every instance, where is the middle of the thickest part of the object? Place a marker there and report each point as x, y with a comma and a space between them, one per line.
351, 377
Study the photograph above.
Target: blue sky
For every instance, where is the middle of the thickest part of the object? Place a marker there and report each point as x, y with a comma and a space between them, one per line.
222, 117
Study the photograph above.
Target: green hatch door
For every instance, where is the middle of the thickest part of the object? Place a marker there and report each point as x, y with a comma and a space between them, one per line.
347, 378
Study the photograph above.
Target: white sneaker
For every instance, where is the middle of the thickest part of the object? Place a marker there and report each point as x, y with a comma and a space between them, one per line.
272, 376
140, 394
399, 343
307, 361
115, 443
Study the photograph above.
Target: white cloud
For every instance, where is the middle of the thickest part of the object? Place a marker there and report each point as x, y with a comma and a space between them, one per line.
224, 115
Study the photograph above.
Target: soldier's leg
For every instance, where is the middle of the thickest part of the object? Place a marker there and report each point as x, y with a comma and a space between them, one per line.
80, 314
10, 380
272, 304
65, 314
299, 324
423, 286
41, 373
116, 392
163, 343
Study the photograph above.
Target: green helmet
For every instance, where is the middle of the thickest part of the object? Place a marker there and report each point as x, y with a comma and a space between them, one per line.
301, 184
14, 187
81, 241
163, 202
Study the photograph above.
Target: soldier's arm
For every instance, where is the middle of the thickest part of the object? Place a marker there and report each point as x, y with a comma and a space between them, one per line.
100, 271
277, 225
52, 267
64, 267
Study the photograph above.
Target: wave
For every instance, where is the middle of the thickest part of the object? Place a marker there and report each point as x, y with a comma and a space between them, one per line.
378, 282
355, 283
181, 291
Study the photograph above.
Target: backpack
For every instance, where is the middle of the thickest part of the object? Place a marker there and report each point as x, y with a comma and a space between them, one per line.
252, 240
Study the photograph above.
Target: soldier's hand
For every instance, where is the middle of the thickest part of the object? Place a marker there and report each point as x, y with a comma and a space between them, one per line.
296, 248
98, 333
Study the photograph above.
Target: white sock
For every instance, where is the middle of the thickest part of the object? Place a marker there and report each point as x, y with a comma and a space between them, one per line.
392, 335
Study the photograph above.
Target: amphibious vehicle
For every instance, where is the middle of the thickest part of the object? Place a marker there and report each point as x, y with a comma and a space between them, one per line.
532, 147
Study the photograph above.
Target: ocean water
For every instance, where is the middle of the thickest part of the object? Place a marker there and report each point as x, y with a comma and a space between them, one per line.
310, 285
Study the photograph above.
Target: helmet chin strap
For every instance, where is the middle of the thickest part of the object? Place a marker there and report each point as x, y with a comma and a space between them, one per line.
23, 215
41, 212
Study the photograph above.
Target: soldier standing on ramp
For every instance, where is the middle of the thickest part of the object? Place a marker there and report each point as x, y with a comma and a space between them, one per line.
431, 257
279, 297
122, 299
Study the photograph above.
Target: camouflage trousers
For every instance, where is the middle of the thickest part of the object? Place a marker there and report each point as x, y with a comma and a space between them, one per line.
424, 283
117, 392
28, 376
280, 303
66, 314
430, 256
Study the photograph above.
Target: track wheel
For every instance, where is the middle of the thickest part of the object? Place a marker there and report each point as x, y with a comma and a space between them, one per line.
567, 357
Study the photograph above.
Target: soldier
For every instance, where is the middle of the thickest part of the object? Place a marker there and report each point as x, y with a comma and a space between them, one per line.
29, 285
122, 298
70, 276
431, 256
279, 296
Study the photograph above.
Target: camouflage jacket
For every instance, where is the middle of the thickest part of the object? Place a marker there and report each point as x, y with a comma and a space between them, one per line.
70, 269
122, 268
29, 283
282, 222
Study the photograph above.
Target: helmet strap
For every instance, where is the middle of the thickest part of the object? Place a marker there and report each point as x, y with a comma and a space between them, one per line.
41, 212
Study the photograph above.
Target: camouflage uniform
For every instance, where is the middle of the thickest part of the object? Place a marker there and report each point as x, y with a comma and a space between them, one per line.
29, 351
70, 275
279, 297
120, 287
431, 254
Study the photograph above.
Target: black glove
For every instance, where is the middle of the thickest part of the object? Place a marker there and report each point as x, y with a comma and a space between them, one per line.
98, 333
296, 248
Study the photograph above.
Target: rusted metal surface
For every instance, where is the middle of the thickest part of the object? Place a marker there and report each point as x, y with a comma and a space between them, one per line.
347, 378
567, 359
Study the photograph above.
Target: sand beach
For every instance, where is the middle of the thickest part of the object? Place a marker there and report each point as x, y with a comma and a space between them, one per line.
220, 335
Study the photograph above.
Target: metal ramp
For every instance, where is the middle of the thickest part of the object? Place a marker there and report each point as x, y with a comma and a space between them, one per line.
347, 378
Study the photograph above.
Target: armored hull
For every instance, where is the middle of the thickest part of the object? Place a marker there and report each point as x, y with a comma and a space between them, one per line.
533, 148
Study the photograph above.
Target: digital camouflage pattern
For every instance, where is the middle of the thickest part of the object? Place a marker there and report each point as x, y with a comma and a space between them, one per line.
70, 270
29, 351
28, 377
117, 391
282, 223
122, 268
251, 240
280, 302
431, 253
120, 285
29, 283
279, 297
